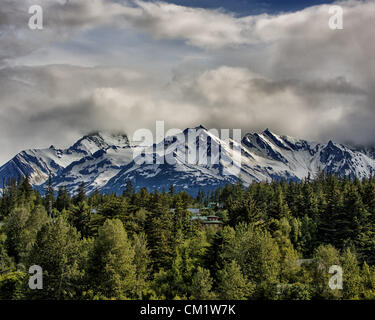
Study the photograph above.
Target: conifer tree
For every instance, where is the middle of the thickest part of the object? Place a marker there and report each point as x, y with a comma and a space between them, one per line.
368, 282
57, 250
142, 262
112, 269
50, 196
244, 210
332, 219
129, 189
257, 254
63, 199
80, 217
160, 234
81, 194
325, 256
201, 286
232, 284
352, 281
278, 207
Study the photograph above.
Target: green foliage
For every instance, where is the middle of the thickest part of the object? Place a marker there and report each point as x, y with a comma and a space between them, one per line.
368, 282
201, 286
11, 285
6, 262
57, 250
21, 228
325, 256
232, 284
111, 266
160, 226
80, 217
352, 281
278, 241
143, 264
257, 254
294, 291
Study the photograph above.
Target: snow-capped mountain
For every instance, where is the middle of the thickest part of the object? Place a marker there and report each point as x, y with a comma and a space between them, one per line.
293, 158
93, 159
107, 161
173, 163
264, 157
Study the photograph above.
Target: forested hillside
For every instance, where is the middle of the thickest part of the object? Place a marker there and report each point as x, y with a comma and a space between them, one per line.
278, 241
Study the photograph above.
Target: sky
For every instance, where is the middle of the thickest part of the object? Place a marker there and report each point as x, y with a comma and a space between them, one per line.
249, 7
121, 65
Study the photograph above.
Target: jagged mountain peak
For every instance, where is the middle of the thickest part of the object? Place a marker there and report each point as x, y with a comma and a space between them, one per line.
268, 132
201, 127
105, 161
93, 142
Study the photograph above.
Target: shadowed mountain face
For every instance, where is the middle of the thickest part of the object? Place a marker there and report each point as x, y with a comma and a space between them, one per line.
107, 161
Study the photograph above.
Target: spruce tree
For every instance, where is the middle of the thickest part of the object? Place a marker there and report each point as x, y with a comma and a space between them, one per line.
57, 250
112, 270
50, 196
232, 284
201, 286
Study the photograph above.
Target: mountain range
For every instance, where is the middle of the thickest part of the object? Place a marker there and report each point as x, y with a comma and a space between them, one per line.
106, 161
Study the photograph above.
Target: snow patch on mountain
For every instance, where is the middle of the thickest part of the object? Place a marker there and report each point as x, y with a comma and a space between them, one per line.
105, 161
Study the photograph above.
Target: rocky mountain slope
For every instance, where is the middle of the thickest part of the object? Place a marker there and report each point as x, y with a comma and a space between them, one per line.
107, 161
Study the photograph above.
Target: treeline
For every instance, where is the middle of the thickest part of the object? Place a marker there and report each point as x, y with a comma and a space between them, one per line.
278, 241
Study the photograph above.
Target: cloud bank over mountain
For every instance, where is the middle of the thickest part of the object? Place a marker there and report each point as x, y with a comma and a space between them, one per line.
121, 65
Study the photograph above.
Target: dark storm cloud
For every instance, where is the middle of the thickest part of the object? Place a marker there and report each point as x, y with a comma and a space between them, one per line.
61, 19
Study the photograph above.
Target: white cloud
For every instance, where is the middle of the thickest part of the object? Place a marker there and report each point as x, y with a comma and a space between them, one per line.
288, 72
